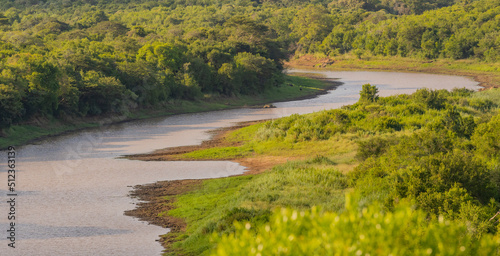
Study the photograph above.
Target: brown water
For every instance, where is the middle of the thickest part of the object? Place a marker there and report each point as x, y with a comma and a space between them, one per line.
72, 191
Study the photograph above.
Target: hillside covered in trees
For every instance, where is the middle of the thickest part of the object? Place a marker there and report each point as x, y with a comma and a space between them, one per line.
89, 58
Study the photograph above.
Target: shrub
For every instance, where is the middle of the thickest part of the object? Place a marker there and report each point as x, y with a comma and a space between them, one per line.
225, 224
431, 98
374, 147
367, 231
368, 93
487, 138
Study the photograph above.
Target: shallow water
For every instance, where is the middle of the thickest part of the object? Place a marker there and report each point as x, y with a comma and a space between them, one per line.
72, 191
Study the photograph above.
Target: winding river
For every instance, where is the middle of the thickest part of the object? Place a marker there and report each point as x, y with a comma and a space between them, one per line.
72, 191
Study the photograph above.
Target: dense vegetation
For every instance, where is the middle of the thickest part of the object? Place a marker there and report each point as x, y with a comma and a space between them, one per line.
93, 63
461, 31
354, 232
437, 151
87, 58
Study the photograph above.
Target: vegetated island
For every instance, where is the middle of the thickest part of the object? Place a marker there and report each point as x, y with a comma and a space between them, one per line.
406, 174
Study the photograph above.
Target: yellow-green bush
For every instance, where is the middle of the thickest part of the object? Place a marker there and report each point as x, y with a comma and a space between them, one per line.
367, 231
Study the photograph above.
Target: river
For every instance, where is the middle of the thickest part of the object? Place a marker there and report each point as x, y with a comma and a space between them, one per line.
72, 190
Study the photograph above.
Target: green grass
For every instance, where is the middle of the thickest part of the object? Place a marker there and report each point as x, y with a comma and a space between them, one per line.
23, 133
298, 184
339, 147
491, 95
215, 198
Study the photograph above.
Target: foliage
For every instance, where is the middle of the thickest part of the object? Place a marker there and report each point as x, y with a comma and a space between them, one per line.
437, 150
220, 202
486, 139
368, 93
355, 231
108, 57
428, 163
168, 50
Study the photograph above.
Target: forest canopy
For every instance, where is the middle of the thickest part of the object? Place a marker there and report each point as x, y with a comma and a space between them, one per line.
92, 57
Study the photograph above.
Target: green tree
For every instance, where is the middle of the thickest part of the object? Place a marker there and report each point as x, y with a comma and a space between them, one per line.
102, 94
165, 56
368, 93
11, 107
91, 18
4, 21
310, 26
486, 139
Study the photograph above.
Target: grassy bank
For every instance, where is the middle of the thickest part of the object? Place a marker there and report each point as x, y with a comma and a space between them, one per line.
487, 74
434, 150
40, 127
217, 203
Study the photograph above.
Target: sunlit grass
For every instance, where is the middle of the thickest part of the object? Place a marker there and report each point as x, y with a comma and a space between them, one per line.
298, 184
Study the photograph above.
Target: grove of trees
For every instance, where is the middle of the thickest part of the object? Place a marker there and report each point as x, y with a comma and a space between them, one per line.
81, 58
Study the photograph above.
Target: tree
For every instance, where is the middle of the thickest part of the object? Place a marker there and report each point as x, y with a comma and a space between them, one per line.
487, 139
91, 18
165, 56
4, 21
11, 107
310, 26
368, 93
102, 94
257, 72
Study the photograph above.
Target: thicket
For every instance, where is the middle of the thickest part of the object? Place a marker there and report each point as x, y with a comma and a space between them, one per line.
464, 30
427, 165
83, 61
448, 165
355, 231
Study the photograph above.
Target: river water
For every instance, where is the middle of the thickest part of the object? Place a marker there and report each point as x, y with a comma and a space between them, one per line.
72, 191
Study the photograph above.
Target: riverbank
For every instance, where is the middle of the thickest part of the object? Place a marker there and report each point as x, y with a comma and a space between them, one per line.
487, 74
39, 128
221, 138
160, 197
316, 167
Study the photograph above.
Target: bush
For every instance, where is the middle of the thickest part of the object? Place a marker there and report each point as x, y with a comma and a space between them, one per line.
431, 98
367, 231
487, 139
225, 224
368, 93
374, 147
11, 107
